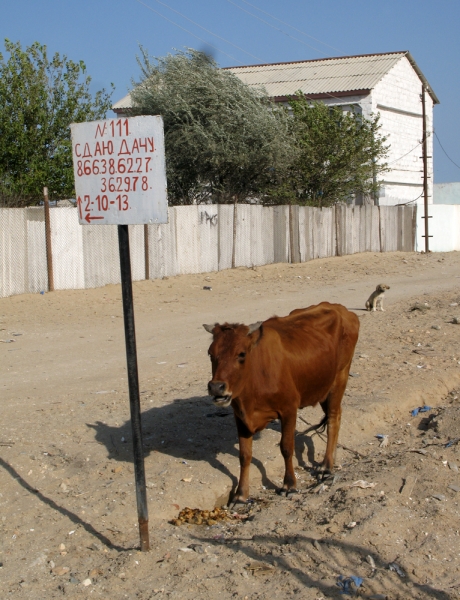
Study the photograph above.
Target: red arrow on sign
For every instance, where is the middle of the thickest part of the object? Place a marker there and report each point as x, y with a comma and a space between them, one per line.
79, 207
89, 219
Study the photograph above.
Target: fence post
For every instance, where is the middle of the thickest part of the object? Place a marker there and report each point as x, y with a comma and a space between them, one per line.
49, 251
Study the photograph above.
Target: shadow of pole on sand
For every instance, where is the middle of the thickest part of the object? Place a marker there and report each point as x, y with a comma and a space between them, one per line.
64, 511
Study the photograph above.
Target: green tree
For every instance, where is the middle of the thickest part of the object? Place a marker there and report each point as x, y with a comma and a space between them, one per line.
224, 141
39, 98
339, 154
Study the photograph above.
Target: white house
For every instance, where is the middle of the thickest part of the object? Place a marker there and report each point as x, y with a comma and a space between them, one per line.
390, 84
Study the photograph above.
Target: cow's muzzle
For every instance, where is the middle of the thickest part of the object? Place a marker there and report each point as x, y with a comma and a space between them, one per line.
218, 389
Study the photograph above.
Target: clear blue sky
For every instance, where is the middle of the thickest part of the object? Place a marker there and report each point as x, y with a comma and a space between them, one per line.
106, 35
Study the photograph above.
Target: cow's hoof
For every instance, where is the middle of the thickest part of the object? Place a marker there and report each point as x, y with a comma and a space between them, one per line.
324, 475
237, 502
287, 493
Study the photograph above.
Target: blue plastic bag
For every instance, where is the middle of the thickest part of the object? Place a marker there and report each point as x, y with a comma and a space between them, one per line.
420, 409
348, 585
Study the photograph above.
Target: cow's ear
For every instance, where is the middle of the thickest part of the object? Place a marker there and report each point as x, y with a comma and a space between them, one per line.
209, 328
254, 327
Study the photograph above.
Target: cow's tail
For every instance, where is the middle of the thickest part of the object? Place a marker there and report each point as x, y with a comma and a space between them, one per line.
318, 428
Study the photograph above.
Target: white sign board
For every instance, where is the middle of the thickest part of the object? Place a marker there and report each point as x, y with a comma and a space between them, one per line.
120, 173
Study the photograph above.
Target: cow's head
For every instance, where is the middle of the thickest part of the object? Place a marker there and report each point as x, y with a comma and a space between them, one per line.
228, 353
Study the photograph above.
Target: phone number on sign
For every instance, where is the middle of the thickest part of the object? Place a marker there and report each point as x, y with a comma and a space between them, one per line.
102, 166
124, 184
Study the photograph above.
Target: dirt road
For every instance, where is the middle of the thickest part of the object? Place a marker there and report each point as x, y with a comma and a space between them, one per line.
67, 501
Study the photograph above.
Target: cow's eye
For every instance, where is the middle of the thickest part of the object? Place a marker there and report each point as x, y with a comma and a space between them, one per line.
242, 355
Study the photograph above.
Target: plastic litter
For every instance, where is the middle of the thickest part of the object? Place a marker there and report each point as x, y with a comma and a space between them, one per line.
420, 409
397, 569
349, 585
384, 440
452, 442
363, 484
439, 497
370, 560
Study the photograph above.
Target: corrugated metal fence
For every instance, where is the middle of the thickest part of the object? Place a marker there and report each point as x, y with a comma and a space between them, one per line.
197, 239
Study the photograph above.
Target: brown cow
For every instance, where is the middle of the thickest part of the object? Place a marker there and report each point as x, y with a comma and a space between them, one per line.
268, 370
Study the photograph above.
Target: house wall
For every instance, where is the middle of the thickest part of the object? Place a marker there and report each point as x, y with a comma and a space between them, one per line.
397, 97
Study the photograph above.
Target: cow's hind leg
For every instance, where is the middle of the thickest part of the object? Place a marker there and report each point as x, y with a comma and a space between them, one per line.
332, 407
287, 450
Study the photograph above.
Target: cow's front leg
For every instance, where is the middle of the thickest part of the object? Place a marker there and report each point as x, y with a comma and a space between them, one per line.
287, 450
245, 449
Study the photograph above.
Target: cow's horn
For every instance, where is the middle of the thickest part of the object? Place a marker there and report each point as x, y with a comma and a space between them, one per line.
254, 327
208, 328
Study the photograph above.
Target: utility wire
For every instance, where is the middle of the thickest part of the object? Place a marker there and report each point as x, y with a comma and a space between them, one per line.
410, 201
186, 30
277, 28
445, 151
414, 148
291, 26
208, 31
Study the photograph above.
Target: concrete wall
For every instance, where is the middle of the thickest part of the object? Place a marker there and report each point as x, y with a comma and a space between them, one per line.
199, 239
444, 226
446, 193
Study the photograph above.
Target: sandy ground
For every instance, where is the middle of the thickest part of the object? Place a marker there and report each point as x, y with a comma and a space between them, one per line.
67, 500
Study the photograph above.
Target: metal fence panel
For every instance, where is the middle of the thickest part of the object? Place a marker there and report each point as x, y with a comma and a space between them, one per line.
36, 250
162, 248
344, 216
13, 252
268, 241
371, 228
243, 235
100, 255
322, 232
225, 235
281, 233
187, 239
388, 229
137, 251
67, 249
208, 238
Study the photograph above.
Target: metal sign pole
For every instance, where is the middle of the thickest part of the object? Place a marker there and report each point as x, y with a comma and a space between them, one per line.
120, 179
133, 385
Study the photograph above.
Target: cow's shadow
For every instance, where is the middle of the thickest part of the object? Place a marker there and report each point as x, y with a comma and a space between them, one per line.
190, 429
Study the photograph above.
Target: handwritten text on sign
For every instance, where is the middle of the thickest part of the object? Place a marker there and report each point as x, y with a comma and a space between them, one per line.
119, 169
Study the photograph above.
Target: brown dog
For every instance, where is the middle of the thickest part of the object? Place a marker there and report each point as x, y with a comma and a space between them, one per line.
375, 300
